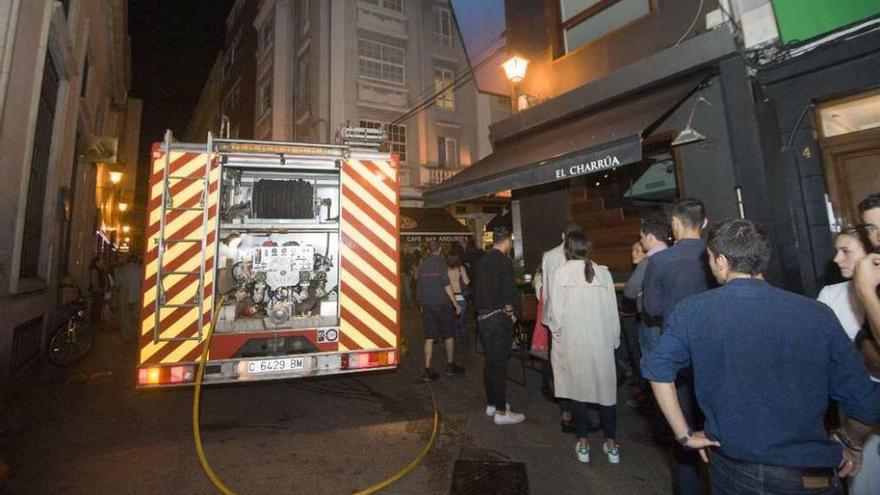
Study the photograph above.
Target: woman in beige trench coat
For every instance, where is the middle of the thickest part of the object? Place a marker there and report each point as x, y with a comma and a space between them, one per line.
586, 330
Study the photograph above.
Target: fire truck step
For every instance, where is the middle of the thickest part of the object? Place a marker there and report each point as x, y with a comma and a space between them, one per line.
196, 272
184, 209
185, 177
188, 305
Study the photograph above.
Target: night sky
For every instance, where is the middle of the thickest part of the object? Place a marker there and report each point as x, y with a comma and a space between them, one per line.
173, 45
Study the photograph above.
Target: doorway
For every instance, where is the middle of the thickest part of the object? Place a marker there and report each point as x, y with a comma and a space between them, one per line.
850, 143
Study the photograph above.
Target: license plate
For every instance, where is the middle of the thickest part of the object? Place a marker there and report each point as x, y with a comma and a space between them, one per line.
275, 365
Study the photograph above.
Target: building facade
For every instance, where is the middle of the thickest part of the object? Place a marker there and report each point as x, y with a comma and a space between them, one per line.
298, 70
643, 102
68, 154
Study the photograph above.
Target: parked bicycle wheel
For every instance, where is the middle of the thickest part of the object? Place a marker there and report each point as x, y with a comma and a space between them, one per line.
70, 343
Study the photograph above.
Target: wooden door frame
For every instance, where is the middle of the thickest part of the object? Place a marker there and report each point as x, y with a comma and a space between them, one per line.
832, 148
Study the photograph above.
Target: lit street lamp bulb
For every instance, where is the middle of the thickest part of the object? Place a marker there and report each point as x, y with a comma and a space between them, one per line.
115, 177
125, 229
515, 68
123, 207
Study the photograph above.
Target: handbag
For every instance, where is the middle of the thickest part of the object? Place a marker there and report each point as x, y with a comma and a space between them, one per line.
540, 334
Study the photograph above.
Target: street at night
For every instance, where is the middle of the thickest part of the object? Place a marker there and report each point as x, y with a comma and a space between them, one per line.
500, 247
94, 433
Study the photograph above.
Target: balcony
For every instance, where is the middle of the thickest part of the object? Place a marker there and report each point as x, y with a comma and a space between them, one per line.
435, 175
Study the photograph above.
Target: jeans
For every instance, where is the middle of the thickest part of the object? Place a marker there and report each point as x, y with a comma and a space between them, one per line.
497, 333
732, 477
649, 337
582, 425
686, 479
627, 354
461, 329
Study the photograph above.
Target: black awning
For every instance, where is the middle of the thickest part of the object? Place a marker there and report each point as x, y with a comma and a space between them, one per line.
418, 224
601, 140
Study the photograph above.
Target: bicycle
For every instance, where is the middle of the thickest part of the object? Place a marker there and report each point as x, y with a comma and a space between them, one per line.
72, 339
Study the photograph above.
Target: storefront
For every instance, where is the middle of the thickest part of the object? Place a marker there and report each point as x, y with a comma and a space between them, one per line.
418, 226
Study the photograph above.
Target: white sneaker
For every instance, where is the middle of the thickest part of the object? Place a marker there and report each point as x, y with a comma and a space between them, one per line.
613, 453
491, 410
583, 452
510, 418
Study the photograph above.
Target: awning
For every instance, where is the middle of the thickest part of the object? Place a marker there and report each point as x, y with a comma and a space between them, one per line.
605, 139
422, 224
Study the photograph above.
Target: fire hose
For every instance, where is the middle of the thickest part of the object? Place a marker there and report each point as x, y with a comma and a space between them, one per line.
218, 483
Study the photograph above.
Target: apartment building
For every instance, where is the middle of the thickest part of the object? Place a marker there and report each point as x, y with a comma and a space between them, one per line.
298, 70
68, 153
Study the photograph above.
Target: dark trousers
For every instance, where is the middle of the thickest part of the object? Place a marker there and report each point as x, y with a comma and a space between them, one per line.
497, 333
628, 353
686, 479
732, 477
582, 424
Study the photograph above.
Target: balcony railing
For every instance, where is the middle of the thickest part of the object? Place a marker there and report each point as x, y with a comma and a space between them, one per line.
435, 175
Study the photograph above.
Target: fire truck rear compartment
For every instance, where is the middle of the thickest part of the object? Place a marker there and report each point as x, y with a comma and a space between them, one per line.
277, 265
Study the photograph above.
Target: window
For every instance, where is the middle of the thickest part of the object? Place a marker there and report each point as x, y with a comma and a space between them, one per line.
264, 97
396, 137
231, 54
304, 16
36, 191
381, 62
267, 36
447, 152
444, 78
84, 82
303, 86
395, 5
585, 21
443, 32
232, 98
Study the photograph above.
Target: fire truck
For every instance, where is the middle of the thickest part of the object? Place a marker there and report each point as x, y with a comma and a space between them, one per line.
289, 250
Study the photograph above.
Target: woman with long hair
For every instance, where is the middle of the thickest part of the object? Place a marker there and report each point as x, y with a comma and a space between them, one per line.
586, 332
851, 244
458, 279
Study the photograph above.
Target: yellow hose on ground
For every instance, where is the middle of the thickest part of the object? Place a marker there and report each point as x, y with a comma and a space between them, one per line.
218, 483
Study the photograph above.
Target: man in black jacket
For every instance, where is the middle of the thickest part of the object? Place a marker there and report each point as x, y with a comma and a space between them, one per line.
498, 306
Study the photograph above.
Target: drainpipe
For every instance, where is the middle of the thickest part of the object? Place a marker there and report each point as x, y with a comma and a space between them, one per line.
10, 25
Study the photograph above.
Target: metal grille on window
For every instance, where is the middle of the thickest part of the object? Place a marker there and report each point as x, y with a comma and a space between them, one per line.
36, 196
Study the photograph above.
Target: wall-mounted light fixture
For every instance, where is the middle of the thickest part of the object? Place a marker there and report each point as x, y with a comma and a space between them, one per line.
115, 177
689, 134
123, 207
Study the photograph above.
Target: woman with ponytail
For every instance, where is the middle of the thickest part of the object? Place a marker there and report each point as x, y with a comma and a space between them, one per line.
586, 330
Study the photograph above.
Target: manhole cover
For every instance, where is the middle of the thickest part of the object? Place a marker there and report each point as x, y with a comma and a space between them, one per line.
482, 477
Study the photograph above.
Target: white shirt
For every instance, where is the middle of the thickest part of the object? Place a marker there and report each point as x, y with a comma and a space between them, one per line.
550, 262
842, 299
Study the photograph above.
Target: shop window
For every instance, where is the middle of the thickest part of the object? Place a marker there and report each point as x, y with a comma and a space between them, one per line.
443, 29
584, 21
36, 192
443, 79
447, 152
381, 62
653, 181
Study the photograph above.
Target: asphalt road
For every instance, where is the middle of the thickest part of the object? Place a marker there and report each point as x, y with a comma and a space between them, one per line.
88, 431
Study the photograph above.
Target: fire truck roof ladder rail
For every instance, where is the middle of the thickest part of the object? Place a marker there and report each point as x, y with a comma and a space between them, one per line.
167, 205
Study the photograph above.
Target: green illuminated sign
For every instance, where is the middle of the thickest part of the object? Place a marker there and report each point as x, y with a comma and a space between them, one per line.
801, 20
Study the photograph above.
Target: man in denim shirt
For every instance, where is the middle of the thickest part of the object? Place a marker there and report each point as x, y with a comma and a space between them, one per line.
766, 364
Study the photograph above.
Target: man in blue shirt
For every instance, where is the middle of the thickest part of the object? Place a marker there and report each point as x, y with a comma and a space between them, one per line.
766, 364
672, 275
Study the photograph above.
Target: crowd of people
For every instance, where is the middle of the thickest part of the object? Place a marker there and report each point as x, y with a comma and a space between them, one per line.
779, 393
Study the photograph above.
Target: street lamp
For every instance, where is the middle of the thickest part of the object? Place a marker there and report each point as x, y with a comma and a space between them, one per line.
125, 229
123, 207
115, 177
515, 70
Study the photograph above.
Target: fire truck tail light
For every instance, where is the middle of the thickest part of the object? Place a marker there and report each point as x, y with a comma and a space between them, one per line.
182, 374
369, 359
164, 375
